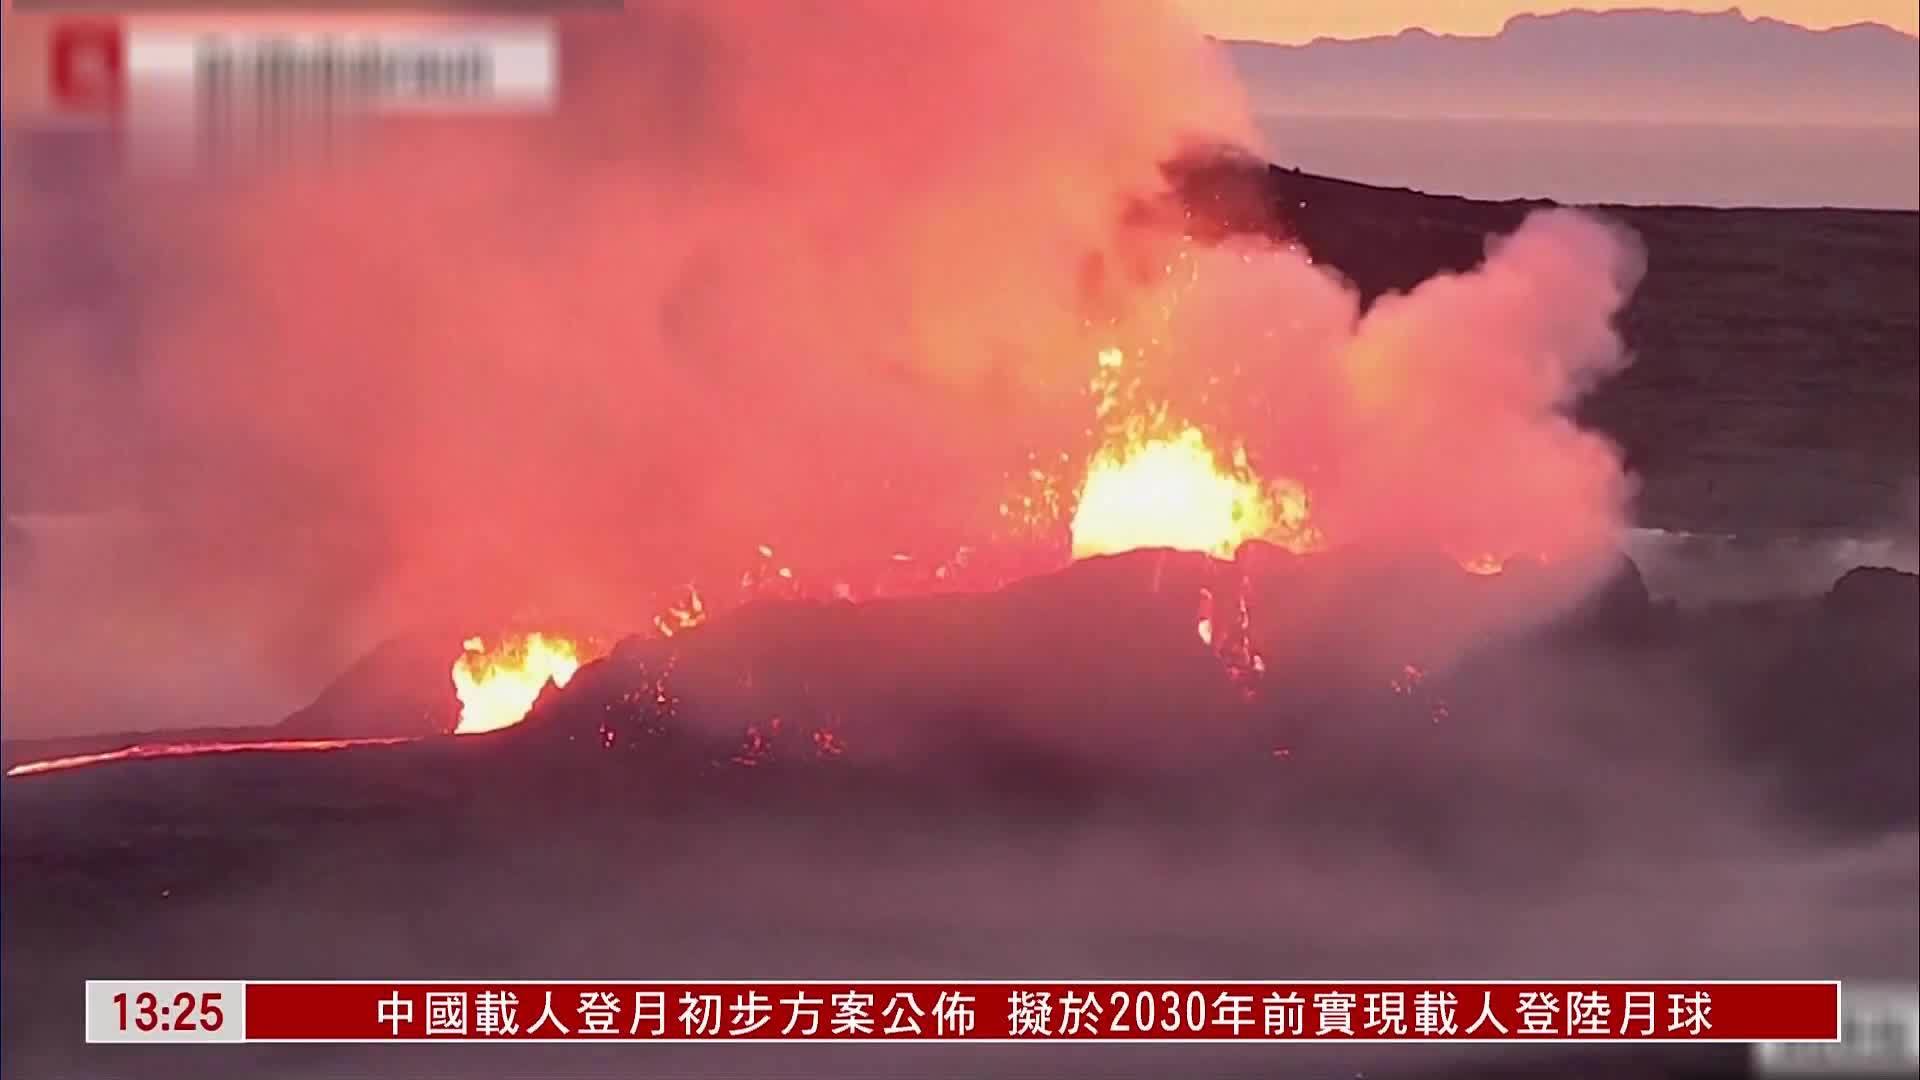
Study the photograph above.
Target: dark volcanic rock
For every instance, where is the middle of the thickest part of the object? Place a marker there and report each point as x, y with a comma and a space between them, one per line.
1105, 658
1109, 642
403, 687
1100, 670
1227, 192
1870, 623
1621, 608
1877, 597
1832, 705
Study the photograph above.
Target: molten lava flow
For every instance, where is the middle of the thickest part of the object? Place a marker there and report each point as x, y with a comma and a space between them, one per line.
497, 687
145, 751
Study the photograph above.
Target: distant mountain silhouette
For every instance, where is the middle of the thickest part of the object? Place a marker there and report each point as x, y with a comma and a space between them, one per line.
1628, 65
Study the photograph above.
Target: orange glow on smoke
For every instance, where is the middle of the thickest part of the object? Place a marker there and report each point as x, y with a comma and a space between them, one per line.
146, 751
496, 687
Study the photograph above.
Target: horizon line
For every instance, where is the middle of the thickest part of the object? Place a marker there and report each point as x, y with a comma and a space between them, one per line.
1328, 39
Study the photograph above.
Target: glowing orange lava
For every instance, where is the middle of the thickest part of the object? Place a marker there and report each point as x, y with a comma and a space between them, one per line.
496, 687
146, 751
1155, 483
680, 615
1170, 492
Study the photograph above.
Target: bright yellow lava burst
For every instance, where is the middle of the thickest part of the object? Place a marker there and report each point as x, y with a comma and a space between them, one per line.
1173, 491
1169, 493
497, 687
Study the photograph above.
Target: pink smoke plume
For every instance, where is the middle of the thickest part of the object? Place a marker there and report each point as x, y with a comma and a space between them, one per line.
810, 275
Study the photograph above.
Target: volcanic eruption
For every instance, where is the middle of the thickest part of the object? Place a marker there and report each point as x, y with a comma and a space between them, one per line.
910, 366
1153, 479
838, 492
496, 687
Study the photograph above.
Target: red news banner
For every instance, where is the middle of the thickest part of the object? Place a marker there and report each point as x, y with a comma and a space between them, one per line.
1702, 1012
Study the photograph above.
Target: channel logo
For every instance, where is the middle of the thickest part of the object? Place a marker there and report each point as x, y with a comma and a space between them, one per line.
187, 91
87, 67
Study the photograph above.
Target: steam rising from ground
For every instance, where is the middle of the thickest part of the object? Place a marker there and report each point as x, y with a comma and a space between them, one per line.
1435, 422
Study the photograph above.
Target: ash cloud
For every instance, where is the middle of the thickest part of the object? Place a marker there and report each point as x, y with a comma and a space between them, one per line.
815, 278
767, 275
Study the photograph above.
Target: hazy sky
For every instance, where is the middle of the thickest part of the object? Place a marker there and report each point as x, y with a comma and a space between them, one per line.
1267, 21
1762, 152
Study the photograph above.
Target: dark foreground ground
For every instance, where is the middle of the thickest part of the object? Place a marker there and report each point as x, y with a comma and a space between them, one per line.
1627, 792
415, 862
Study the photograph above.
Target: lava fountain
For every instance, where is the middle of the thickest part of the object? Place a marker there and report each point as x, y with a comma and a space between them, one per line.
498, 686
1174, 493
1155, 484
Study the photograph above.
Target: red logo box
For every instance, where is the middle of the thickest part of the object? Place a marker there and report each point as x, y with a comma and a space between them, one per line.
88, 67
